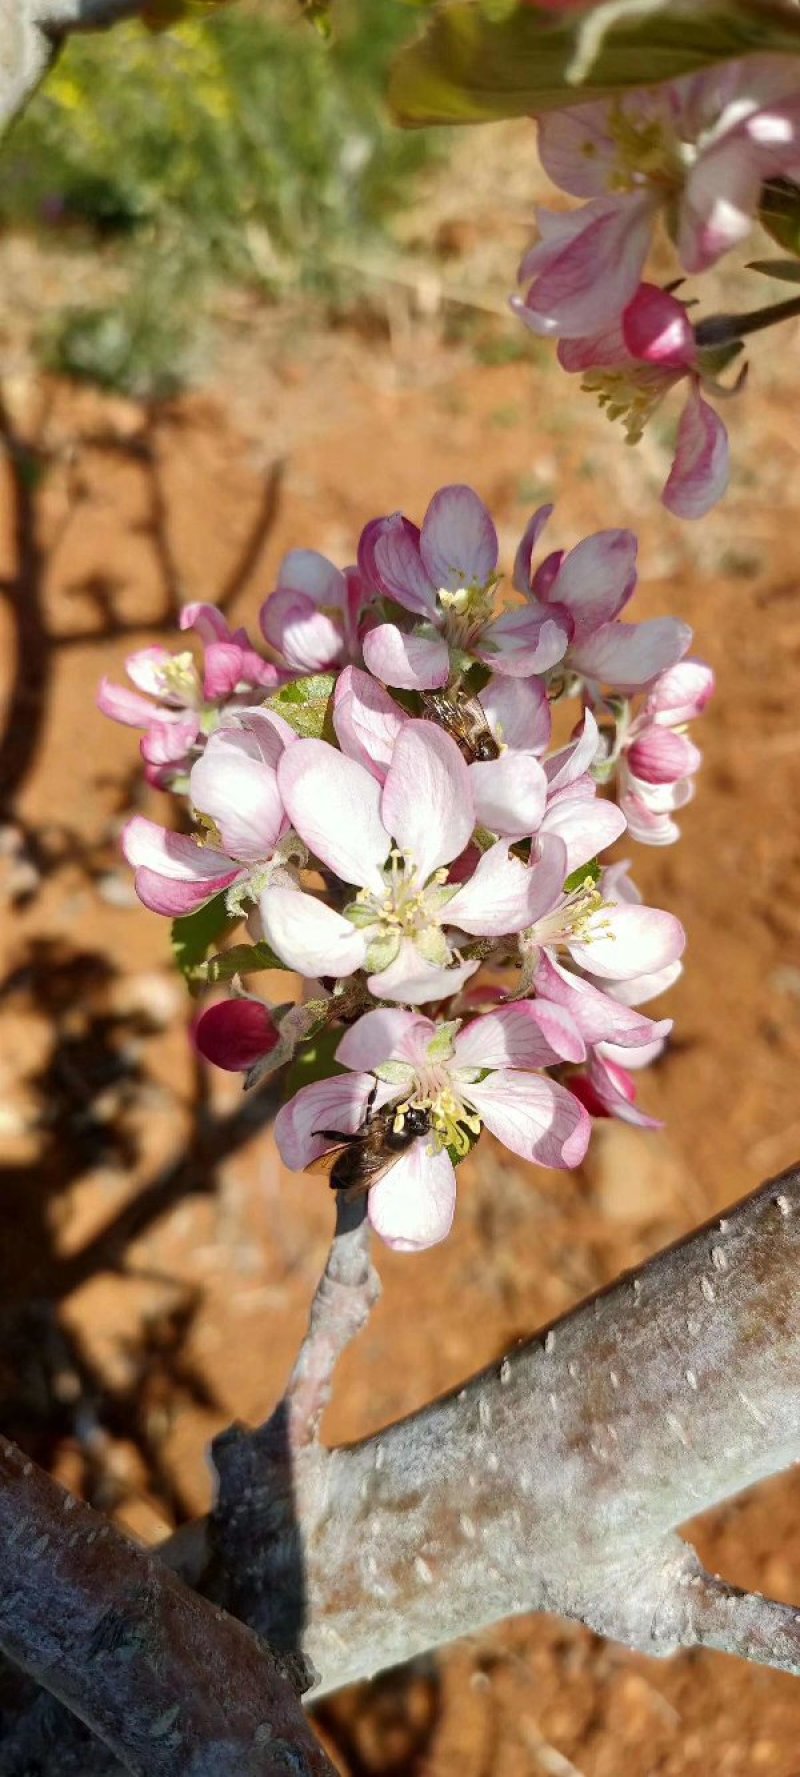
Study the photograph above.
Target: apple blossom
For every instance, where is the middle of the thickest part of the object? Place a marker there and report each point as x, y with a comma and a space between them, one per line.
634, 364
312, 618
234, 789
483, 1073
445, 575
696, 151
404, 924
358, 833
175, 702
587, 587
654, 759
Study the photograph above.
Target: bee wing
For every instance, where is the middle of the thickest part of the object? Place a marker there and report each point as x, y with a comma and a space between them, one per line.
370, 1177
325, 1162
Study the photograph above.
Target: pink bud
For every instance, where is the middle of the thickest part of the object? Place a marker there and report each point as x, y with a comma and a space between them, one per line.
657, 329
235, 1034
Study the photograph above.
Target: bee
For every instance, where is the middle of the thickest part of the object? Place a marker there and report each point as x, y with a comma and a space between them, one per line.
358, 1161
464, 719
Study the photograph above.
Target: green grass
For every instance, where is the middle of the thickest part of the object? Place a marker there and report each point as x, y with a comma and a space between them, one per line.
241, 147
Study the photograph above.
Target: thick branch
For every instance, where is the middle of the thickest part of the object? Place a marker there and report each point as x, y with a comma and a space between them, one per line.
172, 1686
29, 32
555, 1480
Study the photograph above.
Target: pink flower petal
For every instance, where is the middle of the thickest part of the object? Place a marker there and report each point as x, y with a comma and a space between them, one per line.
208, 622
305, 570
681, 693
427, 799
125, 706
573, 761
700, 470
501, 896
586, 827
270, 733
660, 756
518, 712
508, 1037
367, 720
629, 655
389, 555
146, 669
235, 1034
167, 741
412, 662
309, 936
383, 1034
413, 1205
626, 941
534, 1117
339, 1103
589, 265
240, 795
577, 149
528, 542
595, 580
175, 899
641, 988
521, 643
656, 329
414, 980
333, 803
598, 1016
306, 637
148, 846
458, 543
509, 794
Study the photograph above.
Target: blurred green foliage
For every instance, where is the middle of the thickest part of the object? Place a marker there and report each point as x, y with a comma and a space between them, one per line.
242, 146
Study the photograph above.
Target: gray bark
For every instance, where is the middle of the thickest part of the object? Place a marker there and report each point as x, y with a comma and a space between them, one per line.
170, 1684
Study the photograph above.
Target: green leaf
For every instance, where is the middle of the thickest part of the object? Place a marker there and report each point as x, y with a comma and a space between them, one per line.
241, 959
315, 1061
194, 934
787, 271
306, 705
586, 873
779, 214
467, 68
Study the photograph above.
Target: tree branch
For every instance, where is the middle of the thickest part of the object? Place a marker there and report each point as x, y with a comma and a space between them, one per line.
555, 1480
29, 34
172, 1686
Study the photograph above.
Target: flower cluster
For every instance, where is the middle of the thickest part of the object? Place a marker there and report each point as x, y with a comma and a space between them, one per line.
696, 154
384, 806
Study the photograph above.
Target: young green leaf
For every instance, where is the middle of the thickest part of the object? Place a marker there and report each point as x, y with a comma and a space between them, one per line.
469, 68
194, 934
306, 705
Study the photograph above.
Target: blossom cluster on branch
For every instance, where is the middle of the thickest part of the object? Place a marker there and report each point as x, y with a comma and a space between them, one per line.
703, 156
382, 805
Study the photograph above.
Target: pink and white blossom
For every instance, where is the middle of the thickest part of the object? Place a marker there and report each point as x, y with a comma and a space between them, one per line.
313, 617
588, 587
484, 1073
393, 843
608, 939
695, 150
445, 576
633, 366
233, 788
176, 702
657, 760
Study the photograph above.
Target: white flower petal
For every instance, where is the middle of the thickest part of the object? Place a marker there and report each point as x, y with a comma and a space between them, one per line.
412, 1206
308, 936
